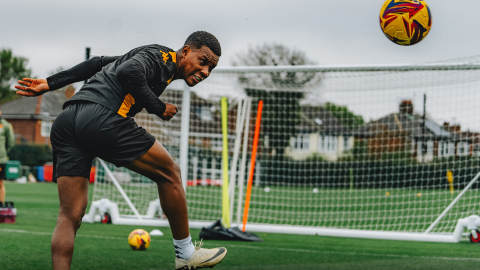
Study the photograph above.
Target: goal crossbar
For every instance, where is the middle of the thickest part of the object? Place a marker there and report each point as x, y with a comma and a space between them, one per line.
345, 68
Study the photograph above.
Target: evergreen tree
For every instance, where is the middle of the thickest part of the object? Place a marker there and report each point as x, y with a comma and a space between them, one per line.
12, 68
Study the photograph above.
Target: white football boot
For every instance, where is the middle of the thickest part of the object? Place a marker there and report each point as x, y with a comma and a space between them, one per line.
201, 258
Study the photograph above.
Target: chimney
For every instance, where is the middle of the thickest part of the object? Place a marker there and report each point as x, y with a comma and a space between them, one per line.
38, 108
406, 107
69, 91
454, 128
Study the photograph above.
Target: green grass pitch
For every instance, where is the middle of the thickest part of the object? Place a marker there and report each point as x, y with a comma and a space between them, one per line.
402, 210
26, 245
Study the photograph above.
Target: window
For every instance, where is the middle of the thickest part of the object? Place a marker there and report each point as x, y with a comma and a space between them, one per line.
321, 142
306, 142
430, 148
333, 143
463, 149
204, 113
451, 149
301, 142
45, 128
446, 149
327, 144
419, 148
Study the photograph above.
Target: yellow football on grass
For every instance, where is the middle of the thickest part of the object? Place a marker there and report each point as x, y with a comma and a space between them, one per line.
139, 239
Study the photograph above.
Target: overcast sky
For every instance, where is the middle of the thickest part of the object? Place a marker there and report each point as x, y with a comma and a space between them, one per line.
55, 33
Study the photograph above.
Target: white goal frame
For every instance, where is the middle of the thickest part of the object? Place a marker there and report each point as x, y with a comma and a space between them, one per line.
471, 222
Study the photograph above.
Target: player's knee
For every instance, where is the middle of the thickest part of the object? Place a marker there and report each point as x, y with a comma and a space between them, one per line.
79, 221
175, 172
170, 175
74, 216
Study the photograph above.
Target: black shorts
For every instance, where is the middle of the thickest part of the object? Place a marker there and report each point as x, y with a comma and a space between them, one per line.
87, 130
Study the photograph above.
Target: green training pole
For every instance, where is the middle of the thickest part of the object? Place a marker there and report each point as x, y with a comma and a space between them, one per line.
225, 200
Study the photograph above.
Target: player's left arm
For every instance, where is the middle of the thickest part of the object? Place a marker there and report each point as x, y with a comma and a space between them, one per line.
78, 73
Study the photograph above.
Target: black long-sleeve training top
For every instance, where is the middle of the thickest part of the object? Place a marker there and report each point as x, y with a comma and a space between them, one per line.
125, 84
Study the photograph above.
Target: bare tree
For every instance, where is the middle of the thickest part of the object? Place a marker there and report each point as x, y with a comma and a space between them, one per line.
275, 55
280, 91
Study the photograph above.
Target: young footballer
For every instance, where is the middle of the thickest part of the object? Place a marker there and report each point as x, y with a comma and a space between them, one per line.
97, 122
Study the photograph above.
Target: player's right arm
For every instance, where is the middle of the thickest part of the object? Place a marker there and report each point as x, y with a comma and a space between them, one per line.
78, 73
132, 76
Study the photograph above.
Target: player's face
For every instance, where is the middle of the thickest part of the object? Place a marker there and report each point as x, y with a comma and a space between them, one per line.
199, 63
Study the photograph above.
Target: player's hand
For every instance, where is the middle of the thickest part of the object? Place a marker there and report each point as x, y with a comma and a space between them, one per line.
170, 112
32, 87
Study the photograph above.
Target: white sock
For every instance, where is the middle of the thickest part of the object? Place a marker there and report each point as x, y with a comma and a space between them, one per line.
184, 248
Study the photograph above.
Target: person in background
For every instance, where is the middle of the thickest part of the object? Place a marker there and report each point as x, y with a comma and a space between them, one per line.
7, 141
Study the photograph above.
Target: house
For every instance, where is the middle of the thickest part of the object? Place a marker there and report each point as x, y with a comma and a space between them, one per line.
408, 132
32, 117
319, 133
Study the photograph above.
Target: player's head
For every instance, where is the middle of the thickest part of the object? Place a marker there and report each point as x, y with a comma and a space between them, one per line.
200, 55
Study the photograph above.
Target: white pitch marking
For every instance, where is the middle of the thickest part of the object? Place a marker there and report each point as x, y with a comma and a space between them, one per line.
280, 249
78, 235
361, 254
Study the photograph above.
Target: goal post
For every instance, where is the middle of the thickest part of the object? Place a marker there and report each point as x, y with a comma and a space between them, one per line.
374, 151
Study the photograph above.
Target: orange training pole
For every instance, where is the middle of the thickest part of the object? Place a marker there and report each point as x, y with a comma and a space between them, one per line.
252, 163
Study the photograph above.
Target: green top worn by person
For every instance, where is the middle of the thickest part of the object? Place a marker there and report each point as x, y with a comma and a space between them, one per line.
7, 141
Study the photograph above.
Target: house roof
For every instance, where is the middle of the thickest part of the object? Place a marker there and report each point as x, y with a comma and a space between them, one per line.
318, 119
27, 107
403, 123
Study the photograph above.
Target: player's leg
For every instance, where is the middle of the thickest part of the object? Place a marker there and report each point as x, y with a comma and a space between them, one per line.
2, 191
73, 195
158, 165
71, 169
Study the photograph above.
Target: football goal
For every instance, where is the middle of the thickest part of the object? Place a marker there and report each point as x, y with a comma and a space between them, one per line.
379, 151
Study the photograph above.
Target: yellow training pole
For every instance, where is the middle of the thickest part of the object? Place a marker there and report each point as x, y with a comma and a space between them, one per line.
450, 181
225, 200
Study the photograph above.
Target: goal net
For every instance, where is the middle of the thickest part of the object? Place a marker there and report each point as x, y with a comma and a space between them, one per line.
371, 148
